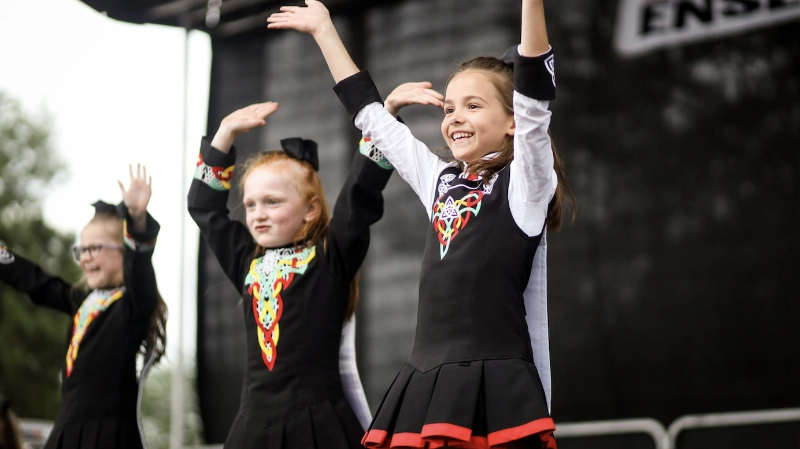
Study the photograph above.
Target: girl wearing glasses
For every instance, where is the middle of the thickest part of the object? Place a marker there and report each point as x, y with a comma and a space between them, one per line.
116, 313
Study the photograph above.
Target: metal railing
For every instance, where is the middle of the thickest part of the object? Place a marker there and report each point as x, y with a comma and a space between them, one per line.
647, 426
732, 419
668, 438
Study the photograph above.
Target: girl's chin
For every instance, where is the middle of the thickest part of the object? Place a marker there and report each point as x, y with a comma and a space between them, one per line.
272, 243
97, 283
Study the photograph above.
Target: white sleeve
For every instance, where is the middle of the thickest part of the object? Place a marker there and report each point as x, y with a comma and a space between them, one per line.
536, 316
348, 371
411, 158
533, 180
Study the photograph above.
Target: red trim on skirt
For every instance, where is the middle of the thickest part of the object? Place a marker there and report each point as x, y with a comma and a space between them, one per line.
520, 432
437, 435
373, 438
435, 431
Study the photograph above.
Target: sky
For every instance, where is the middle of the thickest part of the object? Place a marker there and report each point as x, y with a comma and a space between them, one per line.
115, 94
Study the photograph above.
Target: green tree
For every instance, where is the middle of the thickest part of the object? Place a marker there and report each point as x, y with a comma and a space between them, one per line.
33, 338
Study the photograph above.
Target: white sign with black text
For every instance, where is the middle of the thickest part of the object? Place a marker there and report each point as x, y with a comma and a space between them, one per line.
644, 25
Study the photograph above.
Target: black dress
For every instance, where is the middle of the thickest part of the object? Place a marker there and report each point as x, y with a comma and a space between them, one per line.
99, 380
471, 380
294, 303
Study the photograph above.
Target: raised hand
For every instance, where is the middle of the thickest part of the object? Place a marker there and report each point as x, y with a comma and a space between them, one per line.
242, 121
313, 19
137, 196
534, 31
412, 93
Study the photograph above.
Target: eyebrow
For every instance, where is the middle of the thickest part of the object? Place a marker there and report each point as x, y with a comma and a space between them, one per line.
467, 98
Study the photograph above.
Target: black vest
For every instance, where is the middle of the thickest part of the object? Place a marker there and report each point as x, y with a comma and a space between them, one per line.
475, 269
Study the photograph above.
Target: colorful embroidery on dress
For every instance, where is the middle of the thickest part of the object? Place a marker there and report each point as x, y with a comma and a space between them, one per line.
270, 275
5, 256
96, 303
134, 244
451, 216
218, 178
368, 149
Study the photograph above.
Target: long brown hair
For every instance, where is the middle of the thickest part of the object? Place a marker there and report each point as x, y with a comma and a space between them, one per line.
502, 78
156, 337
310, 188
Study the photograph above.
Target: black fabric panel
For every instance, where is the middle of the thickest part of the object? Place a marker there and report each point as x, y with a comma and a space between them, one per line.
535, 77
357, 91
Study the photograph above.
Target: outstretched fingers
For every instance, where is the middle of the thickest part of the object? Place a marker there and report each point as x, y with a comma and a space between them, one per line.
308, 19
137, 195
413, 93
264, 110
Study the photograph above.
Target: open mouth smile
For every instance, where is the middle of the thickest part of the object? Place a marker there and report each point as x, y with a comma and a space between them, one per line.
460, 137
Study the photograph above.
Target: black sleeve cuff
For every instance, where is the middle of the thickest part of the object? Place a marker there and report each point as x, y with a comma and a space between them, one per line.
151, 229
141, 241
535, 77
215, 158
357, 91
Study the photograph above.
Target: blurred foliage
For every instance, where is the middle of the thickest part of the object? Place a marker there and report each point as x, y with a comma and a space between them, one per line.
156, 412
33, 338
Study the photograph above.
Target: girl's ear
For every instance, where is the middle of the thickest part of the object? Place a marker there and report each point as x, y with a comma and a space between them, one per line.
313, 211
512, 128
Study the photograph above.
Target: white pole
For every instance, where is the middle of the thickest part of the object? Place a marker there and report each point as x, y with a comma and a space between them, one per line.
176, 422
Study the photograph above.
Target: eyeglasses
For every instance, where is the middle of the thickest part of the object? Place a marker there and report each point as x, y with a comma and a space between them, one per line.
92, 250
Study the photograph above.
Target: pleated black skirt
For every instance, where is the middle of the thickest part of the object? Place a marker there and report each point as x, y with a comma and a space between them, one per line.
477, 404
95, 434
329, 424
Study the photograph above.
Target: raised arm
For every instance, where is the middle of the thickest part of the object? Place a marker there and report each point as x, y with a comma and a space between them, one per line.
358, 206
315, 20
230, 241
534, 32
141, 231
412, 159
533, 179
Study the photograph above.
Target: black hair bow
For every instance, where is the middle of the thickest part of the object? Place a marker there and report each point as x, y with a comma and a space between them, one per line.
508, 56
302, 150
103, 208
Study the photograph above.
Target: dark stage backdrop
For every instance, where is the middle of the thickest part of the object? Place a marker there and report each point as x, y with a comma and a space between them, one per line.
674, 292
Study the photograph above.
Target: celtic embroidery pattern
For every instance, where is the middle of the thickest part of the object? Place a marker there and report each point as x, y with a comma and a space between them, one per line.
136, 245
451, 216
269, 276
96, 303
368, 149
218, 178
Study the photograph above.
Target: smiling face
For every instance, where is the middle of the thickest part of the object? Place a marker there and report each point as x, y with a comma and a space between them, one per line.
476, 122
101, 269
275, 210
